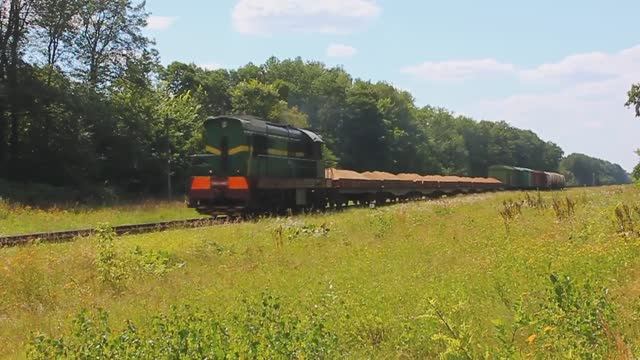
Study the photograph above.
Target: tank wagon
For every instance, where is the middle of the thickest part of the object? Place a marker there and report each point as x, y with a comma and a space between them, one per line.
526, 179
252, 166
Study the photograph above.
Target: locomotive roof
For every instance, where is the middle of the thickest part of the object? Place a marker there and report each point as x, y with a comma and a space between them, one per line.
256, 124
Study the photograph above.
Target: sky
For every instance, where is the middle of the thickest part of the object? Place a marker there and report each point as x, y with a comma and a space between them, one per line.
559, 68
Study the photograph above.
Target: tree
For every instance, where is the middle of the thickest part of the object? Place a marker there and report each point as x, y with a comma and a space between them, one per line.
109, 35
53, 20
634, 98
636, 169
209, 87
254, 98
14, 15
363, 143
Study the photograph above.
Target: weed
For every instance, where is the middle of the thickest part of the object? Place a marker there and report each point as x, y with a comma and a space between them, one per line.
112, 268
455, 337
381, 223
510, 211
536, 202
264, 329
370, 330
292, 230
116, 268
4, 209
627, 220
570, 319
154, 262
443, 210
564, 210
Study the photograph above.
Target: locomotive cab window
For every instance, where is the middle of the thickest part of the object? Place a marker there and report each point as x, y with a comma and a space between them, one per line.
259, 145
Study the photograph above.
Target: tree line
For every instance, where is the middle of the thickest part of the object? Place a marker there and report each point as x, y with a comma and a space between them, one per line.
583, 170
84, 100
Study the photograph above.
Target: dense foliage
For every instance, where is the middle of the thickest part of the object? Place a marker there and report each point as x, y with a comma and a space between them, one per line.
84, 102
581, 169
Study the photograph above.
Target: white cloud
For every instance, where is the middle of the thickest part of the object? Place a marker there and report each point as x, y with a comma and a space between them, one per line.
586, 113
577, 102
211, 66
160, 22
263, 17
340, 50
586, 67
458, 69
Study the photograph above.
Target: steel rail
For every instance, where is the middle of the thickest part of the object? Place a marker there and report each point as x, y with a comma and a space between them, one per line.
129, 229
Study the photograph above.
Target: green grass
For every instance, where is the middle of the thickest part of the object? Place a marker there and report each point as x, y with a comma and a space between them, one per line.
467, 277
20, 219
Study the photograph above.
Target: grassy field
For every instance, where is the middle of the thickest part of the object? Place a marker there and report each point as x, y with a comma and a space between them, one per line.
20, 219
508, 275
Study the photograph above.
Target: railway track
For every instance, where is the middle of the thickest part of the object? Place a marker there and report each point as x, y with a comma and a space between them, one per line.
59, 236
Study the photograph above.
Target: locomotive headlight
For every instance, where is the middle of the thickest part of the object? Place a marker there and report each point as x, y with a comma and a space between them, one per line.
224, 124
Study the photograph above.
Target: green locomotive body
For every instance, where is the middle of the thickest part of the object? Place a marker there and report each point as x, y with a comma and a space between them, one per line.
251, 164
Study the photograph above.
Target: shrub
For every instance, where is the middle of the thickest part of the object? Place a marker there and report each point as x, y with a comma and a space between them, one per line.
568, 319
112, 268
263, 329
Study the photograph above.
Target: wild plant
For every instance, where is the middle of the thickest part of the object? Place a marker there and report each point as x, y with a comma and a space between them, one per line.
263, 329
510, 211
381, 222
153, 262
456, 337
627, 220
112, 268
292, 230
536, 202
563, 210
4, 209
569, 318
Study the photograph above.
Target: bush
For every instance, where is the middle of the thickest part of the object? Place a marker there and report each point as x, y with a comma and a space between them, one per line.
263, 329
571, 319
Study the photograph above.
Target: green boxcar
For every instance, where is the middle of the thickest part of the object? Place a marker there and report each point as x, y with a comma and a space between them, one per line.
524, 178
506, 174
513, 177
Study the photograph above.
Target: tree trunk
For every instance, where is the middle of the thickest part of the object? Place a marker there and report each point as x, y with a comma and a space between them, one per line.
14, 29
3, 135
14, 110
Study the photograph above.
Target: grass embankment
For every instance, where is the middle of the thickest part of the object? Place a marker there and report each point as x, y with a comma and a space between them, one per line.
20, 219
463, 278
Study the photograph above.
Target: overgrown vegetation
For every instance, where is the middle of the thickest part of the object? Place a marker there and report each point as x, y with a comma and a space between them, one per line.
262, 329
438, 279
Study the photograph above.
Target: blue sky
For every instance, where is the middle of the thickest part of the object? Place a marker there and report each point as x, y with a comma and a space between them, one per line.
559, 68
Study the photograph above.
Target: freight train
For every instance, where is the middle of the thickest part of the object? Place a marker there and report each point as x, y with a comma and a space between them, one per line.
254, 166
